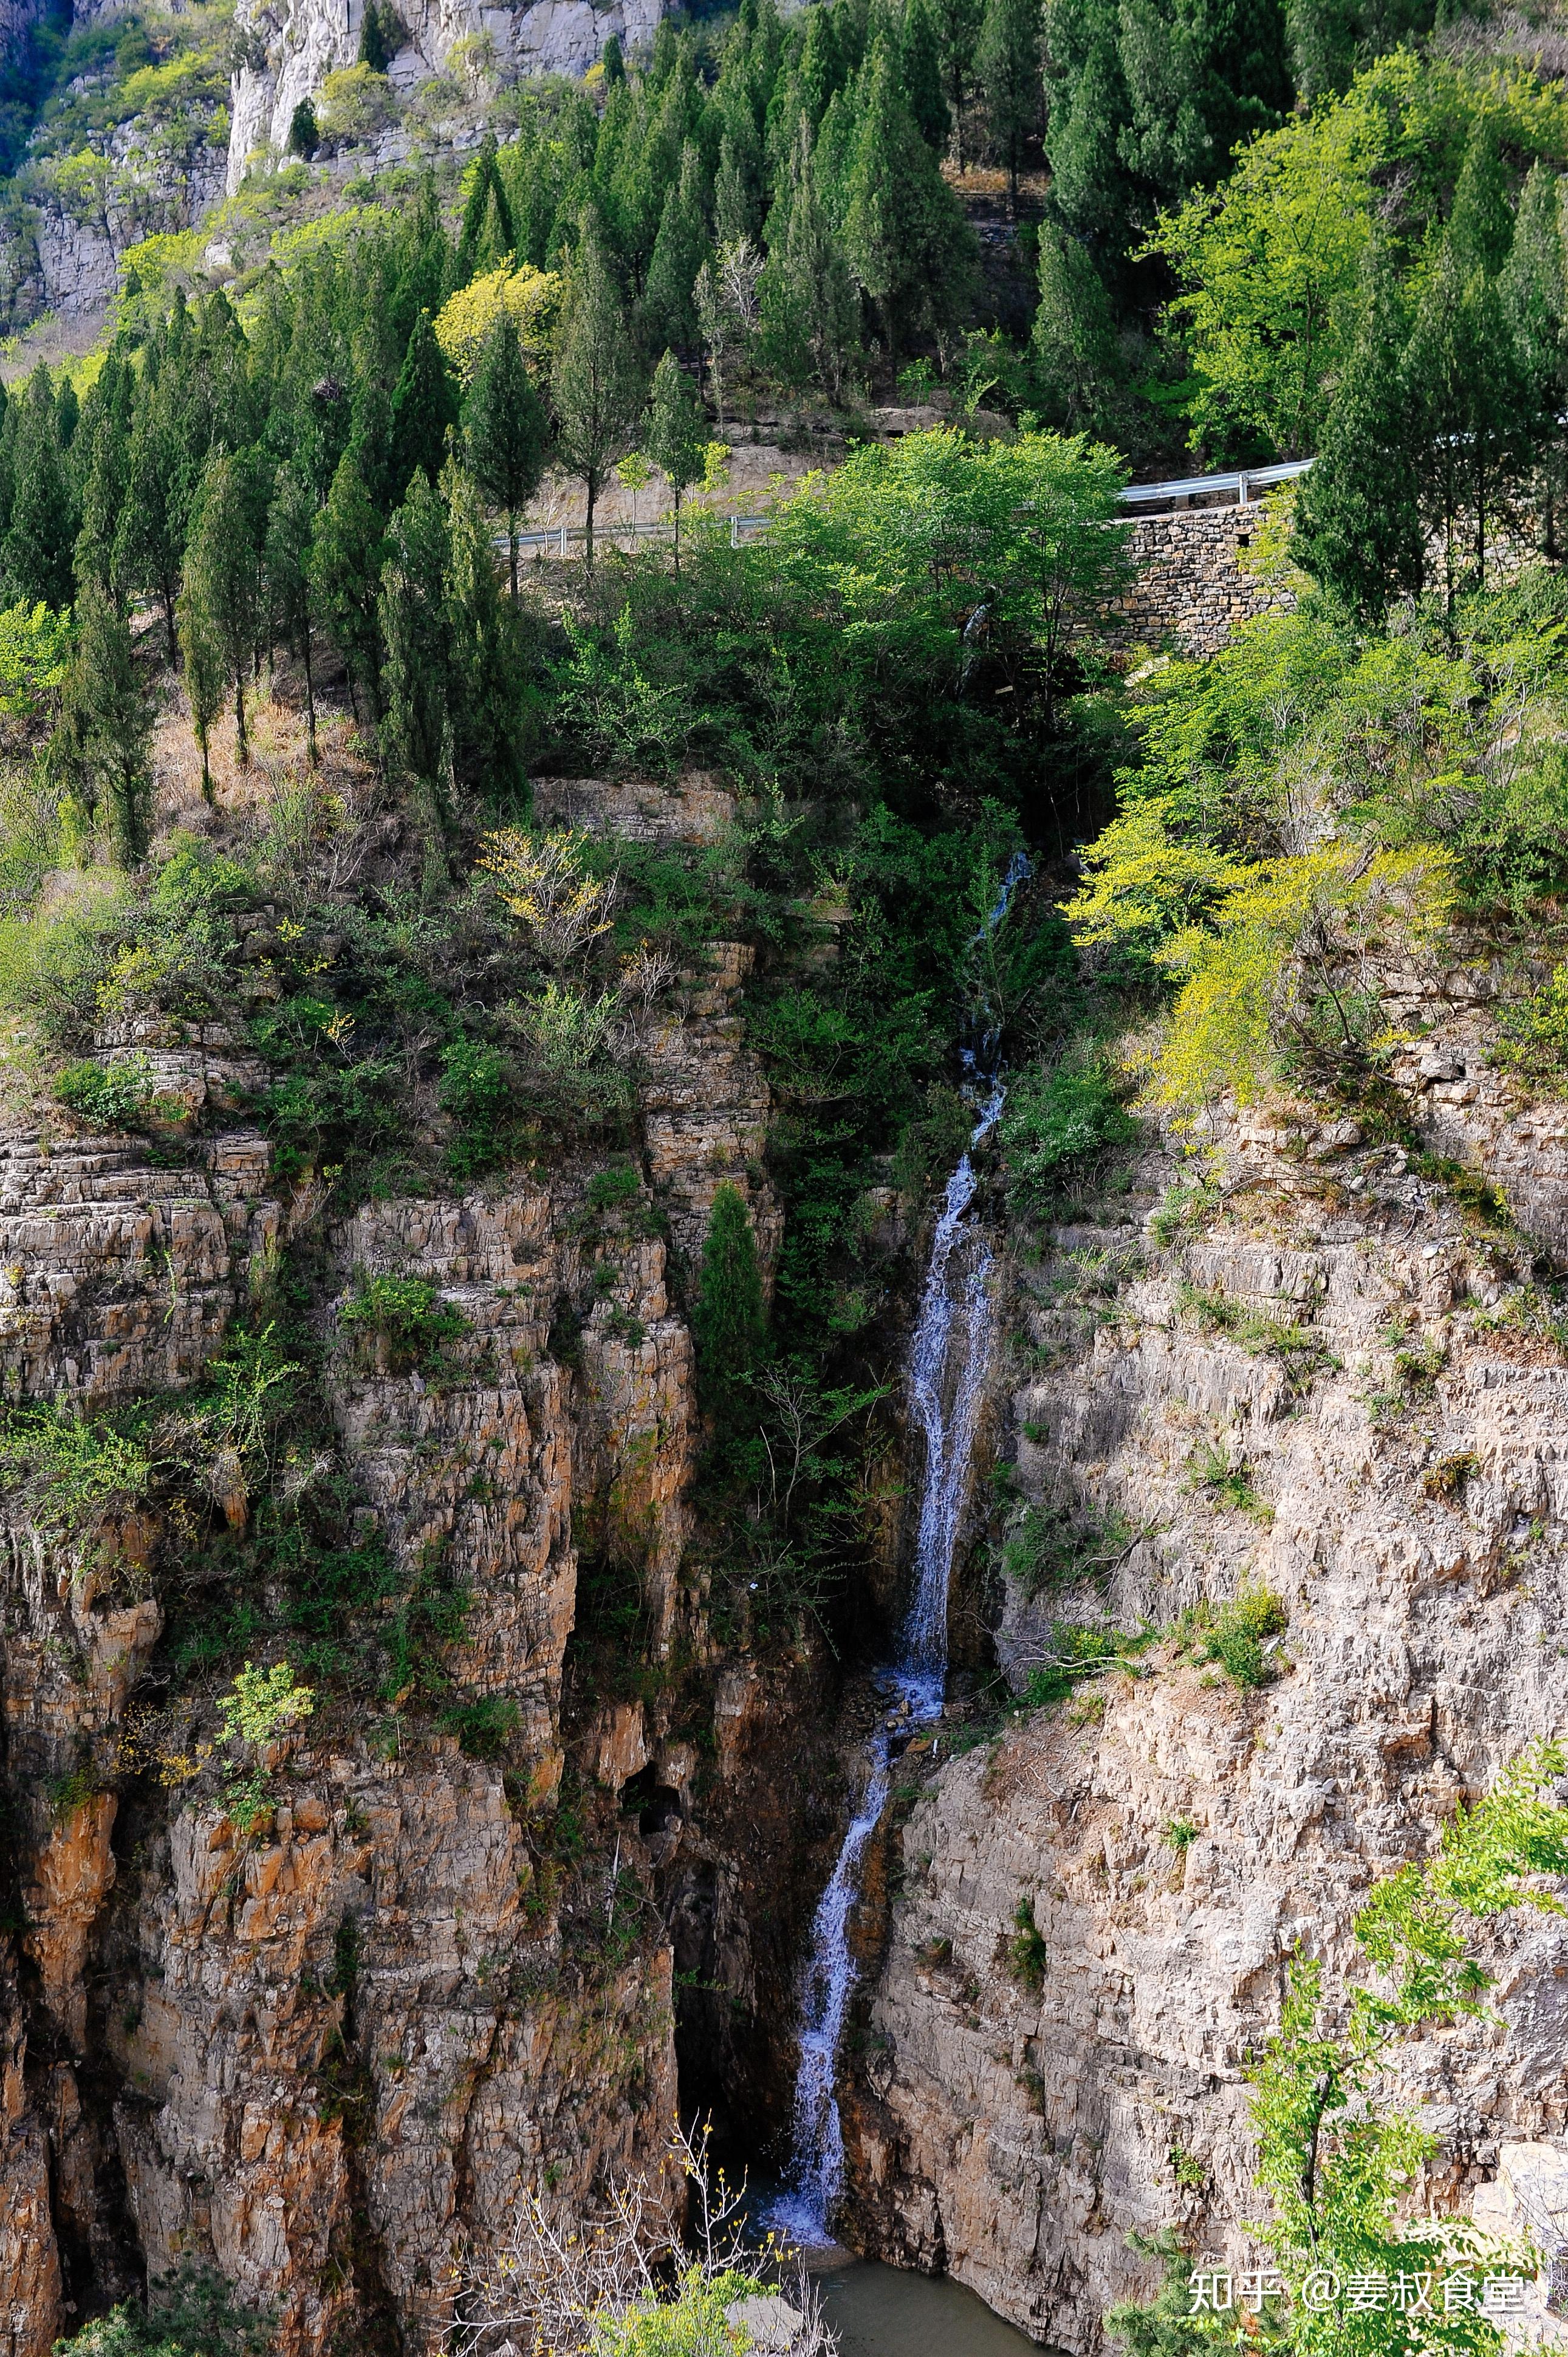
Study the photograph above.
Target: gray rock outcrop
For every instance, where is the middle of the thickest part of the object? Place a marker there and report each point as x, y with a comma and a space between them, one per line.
296, 44
1325, 1382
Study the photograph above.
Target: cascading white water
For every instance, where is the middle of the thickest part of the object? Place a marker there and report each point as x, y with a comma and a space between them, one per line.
947, 1374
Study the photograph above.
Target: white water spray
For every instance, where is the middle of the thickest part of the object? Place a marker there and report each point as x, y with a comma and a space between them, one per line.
946, 1373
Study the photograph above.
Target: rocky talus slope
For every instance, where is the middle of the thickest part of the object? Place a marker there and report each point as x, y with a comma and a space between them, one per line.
322, 2052
1329, 1380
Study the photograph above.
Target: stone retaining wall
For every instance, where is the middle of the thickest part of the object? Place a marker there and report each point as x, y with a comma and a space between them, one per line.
1189, 588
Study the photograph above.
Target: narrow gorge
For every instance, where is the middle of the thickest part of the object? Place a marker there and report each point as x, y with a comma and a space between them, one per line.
783, 1181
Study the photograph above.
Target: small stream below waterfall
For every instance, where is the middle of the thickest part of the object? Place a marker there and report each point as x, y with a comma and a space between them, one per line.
881, 2311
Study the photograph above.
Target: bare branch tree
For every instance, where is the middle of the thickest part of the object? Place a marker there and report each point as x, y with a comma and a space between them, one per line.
557, 2286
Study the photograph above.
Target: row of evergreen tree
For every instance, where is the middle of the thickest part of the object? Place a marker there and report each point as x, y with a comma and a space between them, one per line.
323, 476
1448, 431
798, 201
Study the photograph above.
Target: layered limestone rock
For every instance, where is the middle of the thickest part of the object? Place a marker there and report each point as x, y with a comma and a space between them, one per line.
117, 1279
291, 45
351, 2044
1316, 1385
328, 2051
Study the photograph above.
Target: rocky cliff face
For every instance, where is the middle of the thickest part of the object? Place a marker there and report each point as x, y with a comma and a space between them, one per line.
1330, 1380
293, 45
324, 2050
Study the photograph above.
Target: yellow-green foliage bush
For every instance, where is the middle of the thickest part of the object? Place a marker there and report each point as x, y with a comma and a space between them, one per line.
532, 297
1308, 801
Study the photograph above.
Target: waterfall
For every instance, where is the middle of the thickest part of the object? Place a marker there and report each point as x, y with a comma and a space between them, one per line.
947, 1374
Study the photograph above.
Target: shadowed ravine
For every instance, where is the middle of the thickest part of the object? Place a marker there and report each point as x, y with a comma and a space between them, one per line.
947, 1372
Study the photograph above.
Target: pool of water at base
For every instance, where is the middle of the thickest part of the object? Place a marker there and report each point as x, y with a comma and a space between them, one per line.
879, 2311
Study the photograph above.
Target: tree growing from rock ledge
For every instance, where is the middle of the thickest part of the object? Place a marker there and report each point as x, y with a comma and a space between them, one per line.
729, 1321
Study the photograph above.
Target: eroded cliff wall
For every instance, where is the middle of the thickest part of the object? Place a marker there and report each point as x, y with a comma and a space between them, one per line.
320, 2049
1317, 1372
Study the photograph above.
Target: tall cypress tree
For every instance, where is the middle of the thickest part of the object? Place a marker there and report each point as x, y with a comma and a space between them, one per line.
1535, 300
423, 405
904, 236
106, 724
101, 445
508, 434
921, 66
68, 412
678, 252
594, 384
811, 311
1480, 225
1357, 515
677, 434
821, 65
291, 523
1074, 348
488, 234
147, 541
735, 201
1007, 67
205, 677
416, 631
483, 695
1467, 371
347, 550
370, 440
728, 1320
38, 543
220, 577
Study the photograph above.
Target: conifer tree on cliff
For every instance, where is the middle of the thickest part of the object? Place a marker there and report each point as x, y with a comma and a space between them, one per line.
596, 384
729, 1321
38, 545
508, 431
220, 577
677, 434
422, 407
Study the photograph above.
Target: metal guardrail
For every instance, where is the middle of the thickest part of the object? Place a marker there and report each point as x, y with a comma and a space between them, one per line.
558, 540
1247, 483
